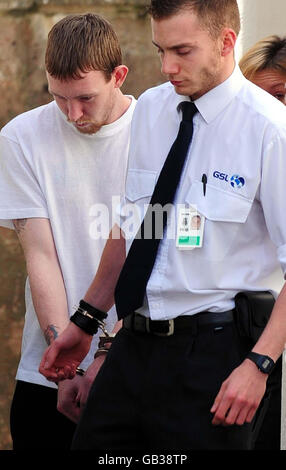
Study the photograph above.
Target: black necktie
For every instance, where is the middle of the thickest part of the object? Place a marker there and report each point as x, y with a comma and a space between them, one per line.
132, 282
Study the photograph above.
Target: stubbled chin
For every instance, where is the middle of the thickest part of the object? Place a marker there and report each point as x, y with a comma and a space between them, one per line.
179, 90
88, 129
182, 89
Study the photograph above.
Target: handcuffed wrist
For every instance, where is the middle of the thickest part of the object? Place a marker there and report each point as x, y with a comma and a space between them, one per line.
100, 352
104, 344
105, 340
93, 311
89, 318
80, 371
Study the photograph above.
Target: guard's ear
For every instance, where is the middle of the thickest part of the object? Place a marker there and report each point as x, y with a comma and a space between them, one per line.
119, 74
228, 40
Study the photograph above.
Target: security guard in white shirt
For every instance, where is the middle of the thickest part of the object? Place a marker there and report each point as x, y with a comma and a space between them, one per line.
179, 374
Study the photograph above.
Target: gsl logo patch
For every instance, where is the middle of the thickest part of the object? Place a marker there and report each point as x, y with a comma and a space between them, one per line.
237, 181
220, 176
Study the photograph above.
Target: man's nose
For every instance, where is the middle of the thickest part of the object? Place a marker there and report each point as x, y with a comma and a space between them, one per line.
74, 111
169, 65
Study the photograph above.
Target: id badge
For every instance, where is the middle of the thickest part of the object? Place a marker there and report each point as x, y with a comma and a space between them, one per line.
190, 229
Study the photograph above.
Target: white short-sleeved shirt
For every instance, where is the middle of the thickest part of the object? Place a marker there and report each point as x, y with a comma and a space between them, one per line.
240, 131
48, 169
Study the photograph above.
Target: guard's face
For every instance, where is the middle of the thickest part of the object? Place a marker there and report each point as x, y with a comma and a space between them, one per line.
88, 102
273, 82
190, 57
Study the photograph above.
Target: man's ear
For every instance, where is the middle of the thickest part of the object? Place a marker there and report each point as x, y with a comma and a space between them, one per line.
119, 74
228, 40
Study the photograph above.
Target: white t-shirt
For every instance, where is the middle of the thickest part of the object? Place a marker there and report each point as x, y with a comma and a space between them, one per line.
239, 143
50, 170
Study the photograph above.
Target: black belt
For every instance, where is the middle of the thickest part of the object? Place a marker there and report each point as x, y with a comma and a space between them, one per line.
141, 324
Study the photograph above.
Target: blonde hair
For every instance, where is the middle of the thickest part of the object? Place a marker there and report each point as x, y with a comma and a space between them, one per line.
80, 43
268, 53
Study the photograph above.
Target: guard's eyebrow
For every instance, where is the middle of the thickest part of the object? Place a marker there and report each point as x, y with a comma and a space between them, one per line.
175, 47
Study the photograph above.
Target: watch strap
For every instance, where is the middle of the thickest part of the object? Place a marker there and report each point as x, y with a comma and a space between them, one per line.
264, 363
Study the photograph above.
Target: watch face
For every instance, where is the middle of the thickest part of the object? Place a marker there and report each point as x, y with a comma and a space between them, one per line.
266, 363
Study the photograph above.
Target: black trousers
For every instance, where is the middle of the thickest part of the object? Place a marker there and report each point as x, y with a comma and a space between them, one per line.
35, 422
269, 436
155, 393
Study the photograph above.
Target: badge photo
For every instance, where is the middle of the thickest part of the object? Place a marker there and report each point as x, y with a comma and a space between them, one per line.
190, 229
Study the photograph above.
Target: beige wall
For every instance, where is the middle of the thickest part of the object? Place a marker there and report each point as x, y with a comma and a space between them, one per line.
260, 18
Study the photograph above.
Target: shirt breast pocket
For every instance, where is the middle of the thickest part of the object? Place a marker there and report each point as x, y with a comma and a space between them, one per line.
140, 185
139, 188
226, 215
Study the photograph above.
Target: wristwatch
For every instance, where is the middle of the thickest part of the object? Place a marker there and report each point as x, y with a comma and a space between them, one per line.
264, 363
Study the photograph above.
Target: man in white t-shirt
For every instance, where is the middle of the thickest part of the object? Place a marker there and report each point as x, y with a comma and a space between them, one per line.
62, 169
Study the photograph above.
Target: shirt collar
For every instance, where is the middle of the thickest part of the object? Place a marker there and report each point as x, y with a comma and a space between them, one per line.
214, 101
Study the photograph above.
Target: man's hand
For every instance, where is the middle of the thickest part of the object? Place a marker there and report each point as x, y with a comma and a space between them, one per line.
64, 355
239, 395
73, 394
88, 379
68, 403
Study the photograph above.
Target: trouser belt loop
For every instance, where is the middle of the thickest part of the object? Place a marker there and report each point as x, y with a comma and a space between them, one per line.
138, 323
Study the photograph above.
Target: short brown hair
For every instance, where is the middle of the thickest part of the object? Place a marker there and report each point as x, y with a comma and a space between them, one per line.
268, 53
80, 43
214, 15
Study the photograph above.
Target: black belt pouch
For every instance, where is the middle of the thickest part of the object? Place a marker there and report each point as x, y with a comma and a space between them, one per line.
252, 311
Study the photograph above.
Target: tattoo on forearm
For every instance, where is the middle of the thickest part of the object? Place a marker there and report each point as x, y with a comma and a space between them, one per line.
50, 333
19, 225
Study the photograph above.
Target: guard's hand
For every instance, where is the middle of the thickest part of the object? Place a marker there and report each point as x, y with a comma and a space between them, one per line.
239, 395
64, 355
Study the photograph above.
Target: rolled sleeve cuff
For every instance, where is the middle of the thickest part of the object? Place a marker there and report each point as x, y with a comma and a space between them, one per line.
7, 216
